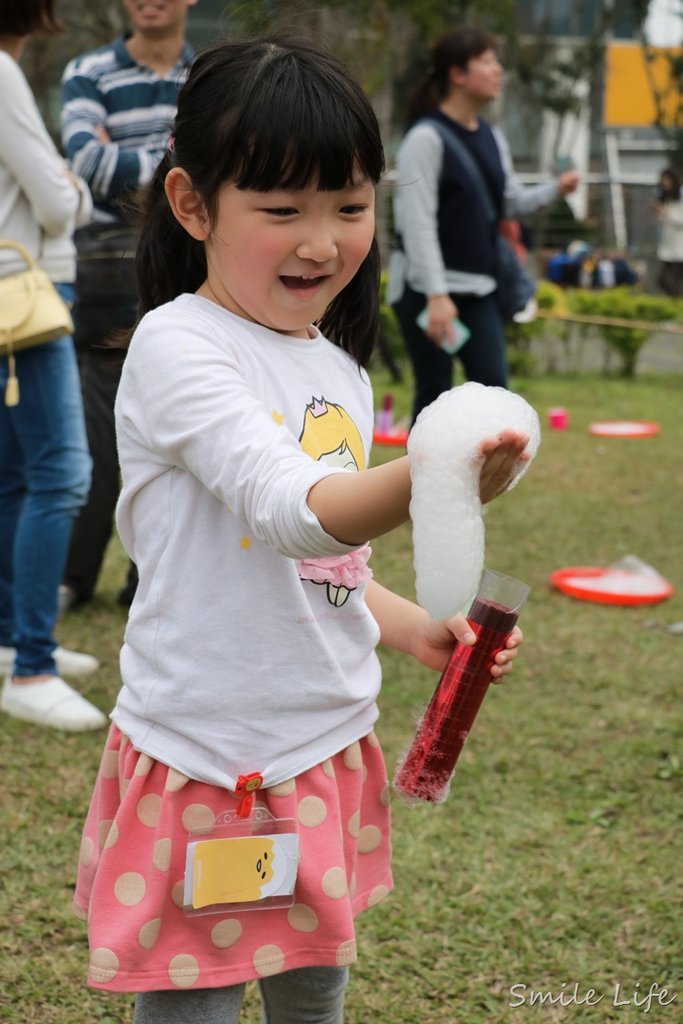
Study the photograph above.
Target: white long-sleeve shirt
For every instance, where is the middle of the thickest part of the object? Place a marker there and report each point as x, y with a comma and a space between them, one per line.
39, 205
670, 244
232, 663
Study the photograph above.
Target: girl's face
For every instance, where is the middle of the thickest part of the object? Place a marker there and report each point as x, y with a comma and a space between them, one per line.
483, 78
279, 258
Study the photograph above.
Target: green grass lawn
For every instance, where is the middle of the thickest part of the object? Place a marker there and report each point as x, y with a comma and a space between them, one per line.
555, 862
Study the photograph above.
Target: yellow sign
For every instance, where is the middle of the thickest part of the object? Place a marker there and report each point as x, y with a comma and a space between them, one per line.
635, 77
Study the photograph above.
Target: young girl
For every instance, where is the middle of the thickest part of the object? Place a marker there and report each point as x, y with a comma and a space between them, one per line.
244, 435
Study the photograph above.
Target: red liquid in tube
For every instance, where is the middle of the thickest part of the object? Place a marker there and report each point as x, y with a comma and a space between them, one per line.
426, 770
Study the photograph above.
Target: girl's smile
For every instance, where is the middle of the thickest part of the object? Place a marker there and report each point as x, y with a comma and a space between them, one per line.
302, 286
301, 283
280, 258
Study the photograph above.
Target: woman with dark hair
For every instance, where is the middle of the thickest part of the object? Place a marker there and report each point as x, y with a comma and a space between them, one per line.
444, 265
44, 459
669, 212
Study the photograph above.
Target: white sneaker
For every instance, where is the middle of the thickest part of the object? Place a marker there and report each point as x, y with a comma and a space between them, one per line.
69, 663
53, 703
74, 663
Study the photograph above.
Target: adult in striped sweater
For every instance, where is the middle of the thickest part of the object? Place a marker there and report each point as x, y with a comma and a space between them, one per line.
118, 104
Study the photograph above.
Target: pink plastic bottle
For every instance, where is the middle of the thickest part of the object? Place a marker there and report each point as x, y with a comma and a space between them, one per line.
384, 418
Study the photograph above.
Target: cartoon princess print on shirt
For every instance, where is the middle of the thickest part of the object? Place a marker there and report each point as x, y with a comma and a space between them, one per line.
329, 435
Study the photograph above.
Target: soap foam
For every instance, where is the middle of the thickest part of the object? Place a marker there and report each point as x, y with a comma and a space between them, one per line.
446, 512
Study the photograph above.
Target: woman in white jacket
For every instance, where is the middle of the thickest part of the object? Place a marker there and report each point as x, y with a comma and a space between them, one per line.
44, 460
669, 212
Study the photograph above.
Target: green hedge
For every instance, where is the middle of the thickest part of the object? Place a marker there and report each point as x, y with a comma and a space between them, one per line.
621, 303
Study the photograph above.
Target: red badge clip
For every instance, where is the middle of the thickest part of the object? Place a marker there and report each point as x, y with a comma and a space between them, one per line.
245, 789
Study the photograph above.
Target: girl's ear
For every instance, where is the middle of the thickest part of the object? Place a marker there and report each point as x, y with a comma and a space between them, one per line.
186, 204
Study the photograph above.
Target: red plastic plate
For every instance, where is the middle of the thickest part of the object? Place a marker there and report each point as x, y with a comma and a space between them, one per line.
398, 437
624, 428
610, 586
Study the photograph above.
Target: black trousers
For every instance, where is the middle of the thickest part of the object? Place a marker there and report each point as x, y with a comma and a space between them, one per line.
106, 304
483, 356
94, 524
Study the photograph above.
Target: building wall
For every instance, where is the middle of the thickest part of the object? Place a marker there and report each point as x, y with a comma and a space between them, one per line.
614, 141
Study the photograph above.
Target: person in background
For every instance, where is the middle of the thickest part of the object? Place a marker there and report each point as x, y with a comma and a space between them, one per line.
118, 103
563, 266
669, 212
579, 266
613, 269
44, 460
444, 264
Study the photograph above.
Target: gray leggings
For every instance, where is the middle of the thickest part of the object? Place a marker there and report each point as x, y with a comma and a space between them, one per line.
309, 995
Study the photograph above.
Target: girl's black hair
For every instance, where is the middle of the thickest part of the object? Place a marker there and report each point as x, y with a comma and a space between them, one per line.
455, 49
24, 17
264, 114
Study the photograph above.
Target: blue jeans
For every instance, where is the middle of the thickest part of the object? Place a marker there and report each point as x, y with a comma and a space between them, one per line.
483, 357
44, 479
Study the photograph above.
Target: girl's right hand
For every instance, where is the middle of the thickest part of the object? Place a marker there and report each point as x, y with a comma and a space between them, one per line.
441, 312
503, 457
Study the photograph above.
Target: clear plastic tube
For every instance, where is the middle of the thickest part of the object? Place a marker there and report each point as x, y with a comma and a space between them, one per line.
425, 771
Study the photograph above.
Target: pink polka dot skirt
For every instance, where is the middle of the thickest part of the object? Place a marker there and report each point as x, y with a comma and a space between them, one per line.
132, 863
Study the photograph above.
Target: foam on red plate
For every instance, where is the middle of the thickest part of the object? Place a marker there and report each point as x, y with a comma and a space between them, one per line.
611, 586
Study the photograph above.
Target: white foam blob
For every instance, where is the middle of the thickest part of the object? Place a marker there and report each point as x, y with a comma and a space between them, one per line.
446, 512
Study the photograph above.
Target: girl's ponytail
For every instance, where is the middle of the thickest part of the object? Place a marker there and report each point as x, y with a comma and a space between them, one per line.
168, 261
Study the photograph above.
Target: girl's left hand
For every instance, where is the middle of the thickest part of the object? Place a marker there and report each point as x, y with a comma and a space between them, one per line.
503, 457
433, 644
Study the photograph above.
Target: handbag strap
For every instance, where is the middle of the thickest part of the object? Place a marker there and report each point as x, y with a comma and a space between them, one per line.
28, 284
452, 142
5, 243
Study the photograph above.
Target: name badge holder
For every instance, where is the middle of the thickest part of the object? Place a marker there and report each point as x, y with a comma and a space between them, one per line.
241, 863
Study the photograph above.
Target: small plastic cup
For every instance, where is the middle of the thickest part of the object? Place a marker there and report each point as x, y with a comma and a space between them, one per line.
558, 418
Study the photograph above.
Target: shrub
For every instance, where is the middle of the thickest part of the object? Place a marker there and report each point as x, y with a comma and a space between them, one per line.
624, 303
522, 361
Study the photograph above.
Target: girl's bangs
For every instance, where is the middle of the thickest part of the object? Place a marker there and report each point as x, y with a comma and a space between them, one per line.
290, 145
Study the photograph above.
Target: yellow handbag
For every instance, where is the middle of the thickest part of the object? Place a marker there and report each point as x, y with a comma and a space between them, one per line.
31, 312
